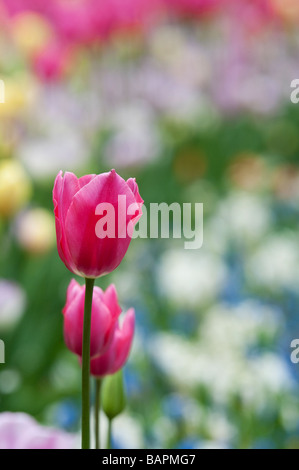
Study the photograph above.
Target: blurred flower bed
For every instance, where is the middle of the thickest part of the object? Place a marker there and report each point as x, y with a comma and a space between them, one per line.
193, 98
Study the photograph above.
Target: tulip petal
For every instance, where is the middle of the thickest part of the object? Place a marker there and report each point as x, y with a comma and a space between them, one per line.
57, 191
124, 340
84, 180
73, 324
70, 186
134, 188
111, 300
118, 352
102, 325
74, 289
64, 190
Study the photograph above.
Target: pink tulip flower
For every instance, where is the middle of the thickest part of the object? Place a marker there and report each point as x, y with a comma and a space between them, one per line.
78, 205
104, 316
21, 431
118, 352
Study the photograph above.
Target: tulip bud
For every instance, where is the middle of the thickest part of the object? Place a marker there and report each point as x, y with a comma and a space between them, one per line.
105, 312
15, 188
117, 354
113, 395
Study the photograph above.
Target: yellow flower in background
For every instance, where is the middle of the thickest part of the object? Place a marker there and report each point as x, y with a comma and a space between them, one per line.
36, 231
15, 187
20, 92
31, 32
8, 139
287, 9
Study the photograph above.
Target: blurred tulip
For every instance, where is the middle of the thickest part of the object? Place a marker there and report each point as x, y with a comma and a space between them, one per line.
15, 188
75, 202
53, 61
192, 7
21, 431
117, 354
105, 312
35, 231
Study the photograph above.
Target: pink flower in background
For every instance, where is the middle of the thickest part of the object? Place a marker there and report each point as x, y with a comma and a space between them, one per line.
193, 7
92, 22
21, 431
105, 313
75, 202
53, 61
117, 354
88, 21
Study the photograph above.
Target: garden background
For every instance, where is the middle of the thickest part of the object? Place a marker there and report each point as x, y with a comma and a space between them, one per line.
191, 97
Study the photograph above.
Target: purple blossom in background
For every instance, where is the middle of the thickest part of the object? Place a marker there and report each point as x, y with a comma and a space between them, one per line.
21, 431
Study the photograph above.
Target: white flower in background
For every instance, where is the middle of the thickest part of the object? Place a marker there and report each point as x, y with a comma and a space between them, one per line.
175, 356
242, 217
127, 431
218, 427
135, 138
272, 372
266, 379
57, 127
219, 360
190, 278
235, 328
166, 93
127, 282
163, 429
61, 107
45, 156
275, 264
289, 413
181, 54
12, 303
211, 445
35, 230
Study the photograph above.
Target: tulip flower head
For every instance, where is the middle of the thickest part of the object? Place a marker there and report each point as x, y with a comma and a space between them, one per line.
117, 354
83, 244
104, 316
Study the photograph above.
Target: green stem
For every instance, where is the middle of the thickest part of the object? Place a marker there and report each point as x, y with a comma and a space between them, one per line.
109, 436
97, 410
86, 364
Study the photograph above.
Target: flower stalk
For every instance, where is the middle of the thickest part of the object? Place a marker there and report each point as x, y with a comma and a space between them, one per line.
86, 364
97, 410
